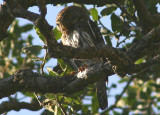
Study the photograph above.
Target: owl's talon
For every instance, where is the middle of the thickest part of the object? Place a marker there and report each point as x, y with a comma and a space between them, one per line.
73, 72
80, 69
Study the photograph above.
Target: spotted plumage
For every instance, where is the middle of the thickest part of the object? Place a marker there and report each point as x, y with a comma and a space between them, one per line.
79, 31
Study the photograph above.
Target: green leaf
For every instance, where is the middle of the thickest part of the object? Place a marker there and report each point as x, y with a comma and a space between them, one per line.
62, 64
108, 40
57, 33
30, 38
94, 14
116, 23
39, 34
139, 61
132, 92
116, 113
125, 111
26, 27
47, 104
51, 72
65, 67
32, 50
15, 29
73, 102
50, 96
113, 85
123, 80
108, 10
95, 105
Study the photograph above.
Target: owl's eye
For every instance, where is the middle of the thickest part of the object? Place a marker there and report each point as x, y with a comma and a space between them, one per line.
68, 16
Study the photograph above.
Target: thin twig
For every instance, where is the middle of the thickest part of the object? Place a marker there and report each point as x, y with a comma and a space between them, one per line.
123, 41
36, 95
61, 107
44, 61
129, 15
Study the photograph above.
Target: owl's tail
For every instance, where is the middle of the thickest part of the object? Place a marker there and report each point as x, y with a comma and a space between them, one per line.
101, 93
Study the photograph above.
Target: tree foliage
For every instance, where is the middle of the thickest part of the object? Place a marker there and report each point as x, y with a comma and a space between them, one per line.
134, 24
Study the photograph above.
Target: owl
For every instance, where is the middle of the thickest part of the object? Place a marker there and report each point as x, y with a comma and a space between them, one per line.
79, 31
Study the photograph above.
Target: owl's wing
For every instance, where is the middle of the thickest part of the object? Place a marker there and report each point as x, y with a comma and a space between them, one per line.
101, 84
75, 64
98, 39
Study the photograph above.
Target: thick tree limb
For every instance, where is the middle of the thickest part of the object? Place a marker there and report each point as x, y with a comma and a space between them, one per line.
14, 104
55, 2
144, 15
156, 19
26, 80
4, 24
141, 48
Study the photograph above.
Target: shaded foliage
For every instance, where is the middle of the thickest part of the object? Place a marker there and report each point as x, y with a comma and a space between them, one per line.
140, 97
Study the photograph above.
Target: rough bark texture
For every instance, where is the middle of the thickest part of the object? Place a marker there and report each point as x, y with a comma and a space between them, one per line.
120, 62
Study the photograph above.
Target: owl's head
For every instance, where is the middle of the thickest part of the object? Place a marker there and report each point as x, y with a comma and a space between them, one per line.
69, 17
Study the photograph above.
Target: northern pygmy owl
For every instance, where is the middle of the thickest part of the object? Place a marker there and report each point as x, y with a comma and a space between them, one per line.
79, 31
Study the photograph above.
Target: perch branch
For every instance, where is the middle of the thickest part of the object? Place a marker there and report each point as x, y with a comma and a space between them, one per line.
14, 104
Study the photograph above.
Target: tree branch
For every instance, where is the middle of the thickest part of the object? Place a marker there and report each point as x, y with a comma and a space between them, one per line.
26, 80
135, 51
3, 22
128, 14
14, 104
55, 2
144, 15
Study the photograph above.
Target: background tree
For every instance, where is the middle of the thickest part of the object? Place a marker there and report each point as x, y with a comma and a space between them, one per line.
135, 58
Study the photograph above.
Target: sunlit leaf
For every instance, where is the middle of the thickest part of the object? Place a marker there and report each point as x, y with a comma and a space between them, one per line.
65, 67
50, 96
94, 14
139, 61
62, 64
49, 104
39, 34
57, 33
51, 72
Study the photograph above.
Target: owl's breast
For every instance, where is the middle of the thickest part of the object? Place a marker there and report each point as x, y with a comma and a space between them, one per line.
77, 39
71, 39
